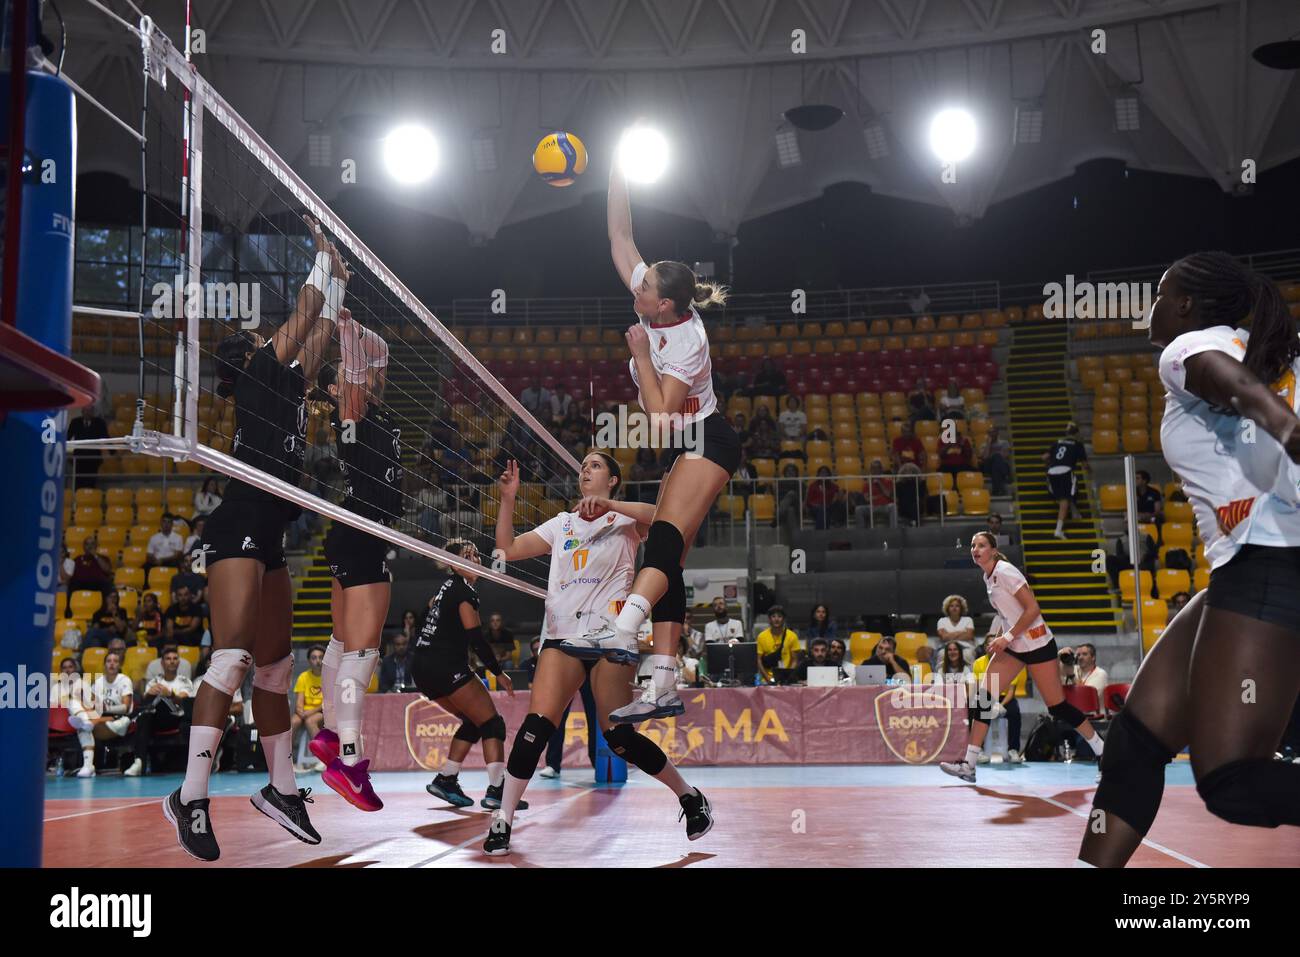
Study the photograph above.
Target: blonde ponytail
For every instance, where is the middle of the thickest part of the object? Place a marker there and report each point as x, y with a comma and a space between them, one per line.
708, 294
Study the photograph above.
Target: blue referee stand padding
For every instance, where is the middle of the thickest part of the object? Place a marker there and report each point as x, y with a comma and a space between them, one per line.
610, 768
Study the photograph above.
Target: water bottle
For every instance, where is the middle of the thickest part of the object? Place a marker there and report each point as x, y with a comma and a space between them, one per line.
1067, 753
58, 766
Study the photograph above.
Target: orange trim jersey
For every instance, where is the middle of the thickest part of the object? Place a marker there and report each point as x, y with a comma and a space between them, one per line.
680, 350
592, 566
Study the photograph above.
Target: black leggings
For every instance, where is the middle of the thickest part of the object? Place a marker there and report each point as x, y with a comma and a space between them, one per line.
555, 747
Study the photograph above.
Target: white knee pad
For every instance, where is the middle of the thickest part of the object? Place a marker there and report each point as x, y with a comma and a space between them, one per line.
82, 721
227, 668
275, 676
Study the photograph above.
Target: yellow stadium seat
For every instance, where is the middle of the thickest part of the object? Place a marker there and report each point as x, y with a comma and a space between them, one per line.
160, 579
1170, 581
861, 644
848, 465
1178, 534
85, 602
92, 661
816, 400
89, 516
1126, 585
1155, 611
764, 468
1105, 442
137, 661
934, 484
967, 480
798, 465
845, 447
902, 326
129, 599
111, 537
1091, 378
178, 496
1150, 635
857, 327
1201, 579
1147, 528
874, 447
125, 577
872, 429
148, 515
975, 501
908, 642
135, 555
1179, 512
149, 495
86, 497
733, 506
63, 624
843, 430
189, 653
763, 507
818, 448
816, 462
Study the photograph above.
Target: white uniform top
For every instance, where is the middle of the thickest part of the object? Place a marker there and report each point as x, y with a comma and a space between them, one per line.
111, 699
716, 632
1242, 492
592, 566
681, 351
1002, 586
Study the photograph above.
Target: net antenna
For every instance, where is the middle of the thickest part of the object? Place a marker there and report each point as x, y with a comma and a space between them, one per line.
184, 433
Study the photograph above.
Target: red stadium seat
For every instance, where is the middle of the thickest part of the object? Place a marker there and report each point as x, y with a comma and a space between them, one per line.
1084, 698
1114, 696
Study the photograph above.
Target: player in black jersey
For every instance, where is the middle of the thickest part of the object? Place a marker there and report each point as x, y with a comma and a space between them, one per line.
243, 556
443, 675
370, 455
1065, 454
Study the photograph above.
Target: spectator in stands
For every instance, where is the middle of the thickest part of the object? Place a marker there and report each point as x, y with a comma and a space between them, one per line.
886, 653
838, 655
395, 669
207, 498
956, 625
788, 498
825, 500
918, 302
186, 578
562, 402
688, 665
723, 627
741, 425
693, 636
793, 421
994, 523
117, 646
768, 380
777, 644
1177, 601
920, 405
1079, 667
956, 456
160, 709
194, 541
66, 567
910, 493
91, 570
821, 624
155, 669
995, 461
86, 462
107, 623
1150, 503
952, 404
575, 427
165, 547
819, 650
184, 621
952, 667
307, 708
907, 448
645, 471
535, 398
106, 715
430, 499
502, 640
764, 440
534, 649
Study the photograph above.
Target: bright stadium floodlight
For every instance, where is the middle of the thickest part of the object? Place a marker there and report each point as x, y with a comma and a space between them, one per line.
643, 154
410, 154
952, 135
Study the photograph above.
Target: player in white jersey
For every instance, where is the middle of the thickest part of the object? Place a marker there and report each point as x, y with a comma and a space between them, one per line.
1027, 643
674, 378
1229, 432
593, 551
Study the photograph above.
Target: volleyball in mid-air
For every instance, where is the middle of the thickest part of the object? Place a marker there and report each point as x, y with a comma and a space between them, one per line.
560, 158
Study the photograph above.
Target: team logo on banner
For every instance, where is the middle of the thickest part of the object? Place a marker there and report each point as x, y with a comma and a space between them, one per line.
429, 730
915, 723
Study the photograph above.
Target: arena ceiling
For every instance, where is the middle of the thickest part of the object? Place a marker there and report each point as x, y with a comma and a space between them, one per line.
716, 76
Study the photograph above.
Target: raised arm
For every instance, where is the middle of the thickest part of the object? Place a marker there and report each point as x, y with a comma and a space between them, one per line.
1221, 380
319, 340
291, 336
361, 368
619, 217
508, 547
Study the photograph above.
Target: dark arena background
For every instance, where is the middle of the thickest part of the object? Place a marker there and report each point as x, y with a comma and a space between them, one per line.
942, 225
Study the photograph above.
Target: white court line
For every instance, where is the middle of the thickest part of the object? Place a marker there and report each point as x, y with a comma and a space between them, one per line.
1191, 861
478, 837
103, 810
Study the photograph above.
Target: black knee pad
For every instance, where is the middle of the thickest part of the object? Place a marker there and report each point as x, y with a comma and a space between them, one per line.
1258, 792
530, 742
672, 607
663, 548
468, 731
635, 748
494, 728
1068, 713
1132, 773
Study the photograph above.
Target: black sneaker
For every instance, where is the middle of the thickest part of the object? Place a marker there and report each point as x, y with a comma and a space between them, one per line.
698, 814
492, 799
447, 787
289, 811
193, 825
498, 839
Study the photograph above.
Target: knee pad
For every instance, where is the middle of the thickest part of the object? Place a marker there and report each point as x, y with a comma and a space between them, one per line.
530, 742
1132, 773
275, 676
635, 748
663, 549
227, 668
1068, 713
495, 728
1258, 792
468, 731
672, 607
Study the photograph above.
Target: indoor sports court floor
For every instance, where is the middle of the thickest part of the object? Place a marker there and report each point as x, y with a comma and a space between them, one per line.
854, 816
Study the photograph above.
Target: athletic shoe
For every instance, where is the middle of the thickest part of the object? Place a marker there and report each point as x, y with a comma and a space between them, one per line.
120, 726
498, 839
649, 705
492, 799
602, 643
193, 826
325, 746
319, 767
87, 770
448, 789
352, 783
959, 769
135, 770
1015, 757
288, 810
698, 814
982, 759
1060, 535
549, 772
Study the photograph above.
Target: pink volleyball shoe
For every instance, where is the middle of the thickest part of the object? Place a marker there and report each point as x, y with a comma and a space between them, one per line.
352, 782
325, 745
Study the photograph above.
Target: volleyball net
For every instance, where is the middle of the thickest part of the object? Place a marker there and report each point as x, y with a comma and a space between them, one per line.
225, 248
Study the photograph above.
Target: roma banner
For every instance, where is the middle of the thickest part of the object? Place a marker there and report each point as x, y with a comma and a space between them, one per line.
913, 724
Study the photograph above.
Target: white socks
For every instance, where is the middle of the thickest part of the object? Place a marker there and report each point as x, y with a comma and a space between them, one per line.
635, 611
354, 673
203, 749
328, 679
278, 749
664, 673
1083, 863
450, 768
496, 773
673, 778
510, 795
972, 754
1096, 744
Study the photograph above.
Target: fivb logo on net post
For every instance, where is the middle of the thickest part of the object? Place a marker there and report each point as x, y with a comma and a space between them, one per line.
1107, 300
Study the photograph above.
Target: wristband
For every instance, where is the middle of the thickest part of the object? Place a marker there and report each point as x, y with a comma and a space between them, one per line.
333, 299
320, 273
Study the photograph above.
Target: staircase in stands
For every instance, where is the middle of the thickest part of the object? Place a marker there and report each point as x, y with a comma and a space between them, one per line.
1073, 597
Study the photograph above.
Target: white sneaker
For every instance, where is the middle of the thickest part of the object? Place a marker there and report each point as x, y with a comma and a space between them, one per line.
982, 759
959, 769
649, 705
119, 726
1015, 757
602, 643
318, 767
1060, 535
549, 772
135, 770
87, 771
